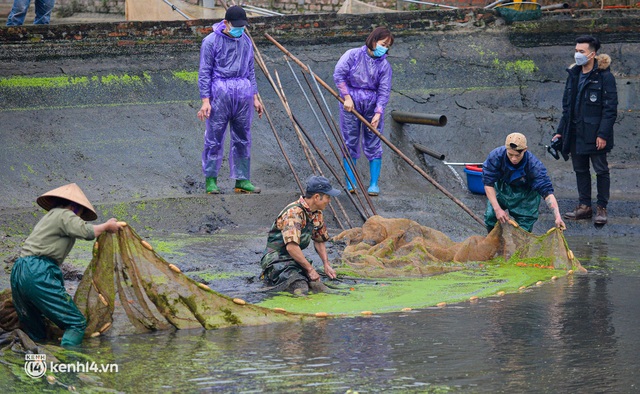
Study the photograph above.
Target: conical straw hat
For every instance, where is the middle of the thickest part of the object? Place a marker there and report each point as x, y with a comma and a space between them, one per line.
70, 192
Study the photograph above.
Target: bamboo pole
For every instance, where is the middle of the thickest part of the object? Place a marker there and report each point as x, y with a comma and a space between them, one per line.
335, 130
337, 156
376, 132
298, 129
305, 147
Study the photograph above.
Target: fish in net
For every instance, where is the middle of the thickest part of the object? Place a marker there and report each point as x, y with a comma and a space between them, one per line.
398, 247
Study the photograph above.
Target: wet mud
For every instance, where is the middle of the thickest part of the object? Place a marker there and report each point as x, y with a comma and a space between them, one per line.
124, 128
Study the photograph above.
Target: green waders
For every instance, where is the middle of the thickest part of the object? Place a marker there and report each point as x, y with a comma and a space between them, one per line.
522, 203
279, 268
37, 288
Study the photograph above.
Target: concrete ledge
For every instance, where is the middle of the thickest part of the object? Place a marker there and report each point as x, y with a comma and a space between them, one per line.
87, 39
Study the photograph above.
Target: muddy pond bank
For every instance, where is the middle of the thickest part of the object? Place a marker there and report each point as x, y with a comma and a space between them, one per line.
120, 121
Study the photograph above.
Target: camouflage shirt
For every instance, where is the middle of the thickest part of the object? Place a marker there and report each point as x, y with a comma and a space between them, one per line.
296, 223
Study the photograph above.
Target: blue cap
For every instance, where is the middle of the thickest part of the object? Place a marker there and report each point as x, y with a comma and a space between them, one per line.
320, 184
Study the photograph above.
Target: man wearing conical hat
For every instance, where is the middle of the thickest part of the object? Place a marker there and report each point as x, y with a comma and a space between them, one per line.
514, 180
37, 285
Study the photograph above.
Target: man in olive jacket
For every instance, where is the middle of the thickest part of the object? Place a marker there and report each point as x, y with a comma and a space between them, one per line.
589, 110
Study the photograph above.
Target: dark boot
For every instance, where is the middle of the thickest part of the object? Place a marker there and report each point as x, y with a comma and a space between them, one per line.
601, 215
299, 288
582, 211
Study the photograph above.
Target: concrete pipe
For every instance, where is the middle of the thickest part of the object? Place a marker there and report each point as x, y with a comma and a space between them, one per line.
428, 119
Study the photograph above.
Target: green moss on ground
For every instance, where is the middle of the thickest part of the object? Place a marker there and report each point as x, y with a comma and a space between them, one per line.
393, 295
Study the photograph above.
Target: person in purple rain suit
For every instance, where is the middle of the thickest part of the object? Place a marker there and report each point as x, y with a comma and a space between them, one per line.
363, 78
229, 93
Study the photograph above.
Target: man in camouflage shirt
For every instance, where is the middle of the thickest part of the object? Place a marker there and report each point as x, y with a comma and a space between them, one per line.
283, 263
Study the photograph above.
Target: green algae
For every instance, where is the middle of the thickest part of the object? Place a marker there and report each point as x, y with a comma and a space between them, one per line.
210, 277
393, 295
42, 82
230, 317
186, 76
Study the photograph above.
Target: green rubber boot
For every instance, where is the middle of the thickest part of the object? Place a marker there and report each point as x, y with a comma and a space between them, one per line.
245, 186
212, 186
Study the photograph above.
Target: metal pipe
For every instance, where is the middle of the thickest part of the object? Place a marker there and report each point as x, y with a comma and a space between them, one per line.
495, 3
428, 119
433, 4
462, 164
173, 7
558, 6
261, 11
430, 152
379, 135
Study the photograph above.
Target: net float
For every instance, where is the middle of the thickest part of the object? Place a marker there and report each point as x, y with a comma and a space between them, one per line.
406, 309
522, 287
146, 244
96, 246
322, 314
554, 278
51, 379
570, 254
174, 268
441, 304
239, 301
513, 223
570, 272
105, 327
552, 229
203, 286
122, 224
539, 283
95, 334
501, 293
103, 300
279, 310
473, 298
366, 313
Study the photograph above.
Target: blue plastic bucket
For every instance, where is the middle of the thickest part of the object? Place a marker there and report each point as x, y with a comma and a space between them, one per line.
474, 179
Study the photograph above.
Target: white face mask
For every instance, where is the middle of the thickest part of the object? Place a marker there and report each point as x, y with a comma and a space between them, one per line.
581, 59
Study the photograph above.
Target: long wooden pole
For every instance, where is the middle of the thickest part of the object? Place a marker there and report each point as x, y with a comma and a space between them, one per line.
337, 156
376, 132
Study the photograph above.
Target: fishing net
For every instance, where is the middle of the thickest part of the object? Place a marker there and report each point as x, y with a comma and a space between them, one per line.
128, 288
385, 248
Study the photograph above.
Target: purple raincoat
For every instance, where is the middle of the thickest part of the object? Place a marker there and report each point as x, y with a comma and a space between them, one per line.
368, 81
227, 77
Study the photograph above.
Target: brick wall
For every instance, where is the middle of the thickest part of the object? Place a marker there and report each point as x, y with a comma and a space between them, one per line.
291, 6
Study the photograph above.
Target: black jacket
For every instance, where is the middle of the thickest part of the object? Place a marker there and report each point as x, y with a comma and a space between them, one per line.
598, 103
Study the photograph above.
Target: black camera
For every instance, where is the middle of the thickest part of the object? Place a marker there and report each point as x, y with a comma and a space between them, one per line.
555, 149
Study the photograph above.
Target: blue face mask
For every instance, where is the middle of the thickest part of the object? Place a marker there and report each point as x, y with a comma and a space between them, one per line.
236, 31
380, 50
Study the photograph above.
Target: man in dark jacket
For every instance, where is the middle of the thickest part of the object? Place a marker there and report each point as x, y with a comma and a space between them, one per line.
589, 110
514, 179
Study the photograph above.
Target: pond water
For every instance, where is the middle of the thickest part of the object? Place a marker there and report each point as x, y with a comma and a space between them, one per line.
578, 334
